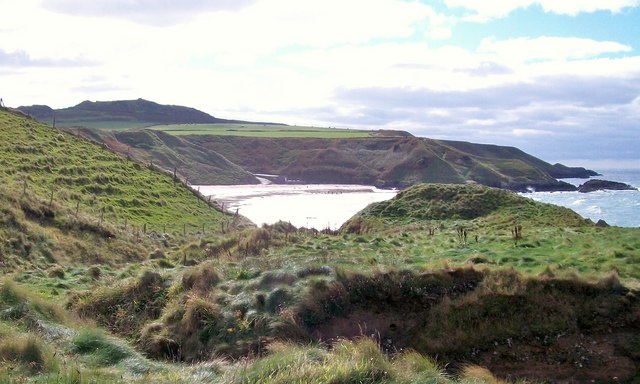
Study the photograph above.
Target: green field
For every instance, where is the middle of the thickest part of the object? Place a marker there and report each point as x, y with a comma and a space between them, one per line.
262, 130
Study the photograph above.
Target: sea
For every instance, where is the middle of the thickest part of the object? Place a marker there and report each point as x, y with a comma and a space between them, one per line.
329, 206
319, 206
619, 208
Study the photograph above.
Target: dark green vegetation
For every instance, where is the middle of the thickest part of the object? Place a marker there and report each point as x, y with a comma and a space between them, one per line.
427, 287
601, 185
390, 161
122, 114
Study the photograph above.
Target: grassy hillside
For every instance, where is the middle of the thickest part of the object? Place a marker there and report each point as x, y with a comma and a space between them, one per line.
444, 283
308, 154
72, 173
386, 161
527, 307
190, 162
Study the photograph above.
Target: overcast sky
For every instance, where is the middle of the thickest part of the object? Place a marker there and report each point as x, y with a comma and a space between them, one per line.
559, 79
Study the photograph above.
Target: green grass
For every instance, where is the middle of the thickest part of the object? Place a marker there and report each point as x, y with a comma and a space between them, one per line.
88, 301
98, 124
51, 166
262, 130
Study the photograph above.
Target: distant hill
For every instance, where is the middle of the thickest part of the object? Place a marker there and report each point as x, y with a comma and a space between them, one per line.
391, 161
121, 114
385, 159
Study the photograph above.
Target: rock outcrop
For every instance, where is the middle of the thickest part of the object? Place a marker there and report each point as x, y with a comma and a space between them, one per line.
604, 185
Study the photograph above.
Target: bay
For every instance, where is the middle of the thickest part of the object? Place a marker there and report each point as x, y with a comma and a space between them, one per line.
329, 206
309, 205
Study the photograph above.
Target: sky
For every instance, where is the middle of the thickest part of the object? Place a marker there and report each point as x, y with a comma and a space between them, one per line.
559, 79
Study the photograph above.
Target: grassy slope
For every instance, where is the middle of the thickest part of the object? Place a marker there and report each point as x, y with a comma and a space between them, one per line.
191, 162
261, 130
384, 161
39, 160
385, 274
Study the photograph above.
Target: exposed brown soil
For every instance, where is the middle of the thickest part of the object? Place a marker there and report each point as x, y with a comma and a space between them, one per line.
600, 343
573, 358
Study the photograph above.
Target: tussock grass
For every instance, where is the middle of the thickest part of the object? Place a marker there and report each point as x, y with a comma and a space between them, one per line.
104, 351
19, 304
123, 309
359, 361
27, 352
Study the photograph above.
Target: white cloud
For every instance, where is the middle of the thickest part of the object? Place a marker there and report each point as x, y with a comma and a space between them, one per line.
357, 63
484, 10
530, 132
549, 48
153, 12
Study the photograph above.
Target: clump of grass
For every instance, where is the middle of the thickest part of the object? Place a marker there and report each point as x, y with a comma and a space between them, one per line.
123, 309
94, 272
359, 361
56, 271
102, 350
275, 278
201, 278
475, 374
27, 351
157, 254
17, 303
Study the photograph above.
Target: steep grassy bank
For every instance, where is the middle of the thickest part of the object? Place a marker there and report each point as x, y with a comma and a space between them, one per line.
69, 172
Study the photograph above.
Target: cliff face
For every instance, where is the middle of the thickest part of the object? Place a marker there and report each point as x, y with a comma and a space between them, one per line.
390, 161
